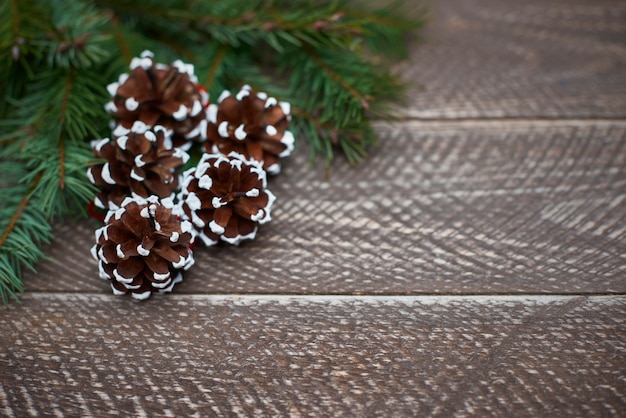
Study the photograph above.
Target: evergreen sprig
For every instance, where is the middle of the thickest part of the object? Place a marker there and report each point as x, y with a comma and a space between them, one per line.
326, 57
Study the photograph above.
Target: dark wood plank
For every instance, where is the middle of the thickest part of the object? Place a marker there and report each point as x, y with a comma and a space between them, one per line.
90, 355
462, 208
532, 58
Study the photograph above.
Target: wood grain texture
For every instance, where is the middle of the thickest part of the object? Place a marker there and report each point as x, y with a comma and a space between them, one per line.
91, 355
488, 207
532, 58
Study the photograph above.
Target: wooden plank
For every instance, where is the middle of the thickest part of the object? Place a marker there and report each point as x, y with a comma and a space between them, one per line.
494, 58
88, 355
491, 207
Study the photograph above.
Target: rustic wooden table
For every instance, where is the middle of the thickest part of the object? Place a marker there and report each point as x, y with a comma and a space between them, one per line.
475, 264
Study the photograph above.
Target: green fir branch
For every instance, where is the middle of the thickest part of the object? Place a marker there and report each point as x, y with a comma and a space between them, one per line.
23, 229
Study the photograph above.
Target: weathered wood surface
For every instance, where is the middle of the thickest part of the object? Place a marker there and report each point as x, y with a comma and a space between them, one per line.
91, 355
461, 208
531, 58
479, 191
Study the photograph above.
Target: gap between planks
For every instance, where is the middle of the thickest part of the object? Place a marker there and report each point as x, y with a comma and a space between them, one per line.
339, 299
511, 122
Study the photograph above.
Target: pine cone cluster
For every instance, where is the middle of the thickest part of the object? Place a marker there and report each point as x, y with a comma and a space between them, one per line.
143, 247
251, 124
139, 161
153, 217
226, 198
158, 94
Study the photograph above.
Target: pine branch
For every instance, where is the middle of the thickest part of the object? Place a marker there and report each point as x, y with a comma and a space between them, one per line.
23, 227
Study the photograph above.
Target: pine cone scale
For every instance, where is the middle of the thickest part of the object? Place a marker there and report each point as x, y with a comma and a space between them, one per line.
130, 267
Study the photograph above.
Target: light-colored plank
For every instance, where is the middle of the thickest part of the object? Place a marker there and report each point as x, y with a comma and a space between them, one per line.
65, 354
532, 58
493, 207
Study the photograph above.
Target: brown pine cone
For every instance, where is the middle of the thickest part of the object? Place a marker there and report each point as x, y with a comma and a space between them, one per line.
143, 247
158, 94
139, 162
226, 198
250, 124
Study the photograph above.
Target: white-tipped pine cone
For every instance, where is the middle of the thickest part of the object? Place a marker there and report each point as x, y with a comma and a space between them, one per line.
159, 94
226, 198
143, 247
251, 124
140, 161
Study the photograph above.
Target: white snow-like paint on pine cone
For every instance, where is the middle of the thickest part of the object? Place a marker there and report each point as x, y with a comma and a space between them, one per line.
180, 263
142, 251
196, 108
271, 101
225, 94
216, 228
211, 113
99, 143
121, 141
160, 277
150, 136
271, 130
185, 226
90, 176
262, 95
117, 292
288, 140
139, 127
131, 104
138, 161
181, 113
98, 202
123, 78
237, 240
197, 221
112, 88
120, 253
121, 278
240, 133
179, 153
141, 296
174, 237
120, 131
163, 285
189, 261
131, 287
237, 163
286, 107
217, 202
102, 273
106, 174
222, 129
135, 176
273, 169
205, 182
143, 62
206, 240
110, 107
193, 201
94, 252
242, 93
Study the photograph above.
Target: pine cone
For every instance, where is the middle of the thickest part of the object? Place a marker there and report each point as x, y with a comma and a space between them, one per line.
226, 198
139, 162
143, 247
250, 124
158, 94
